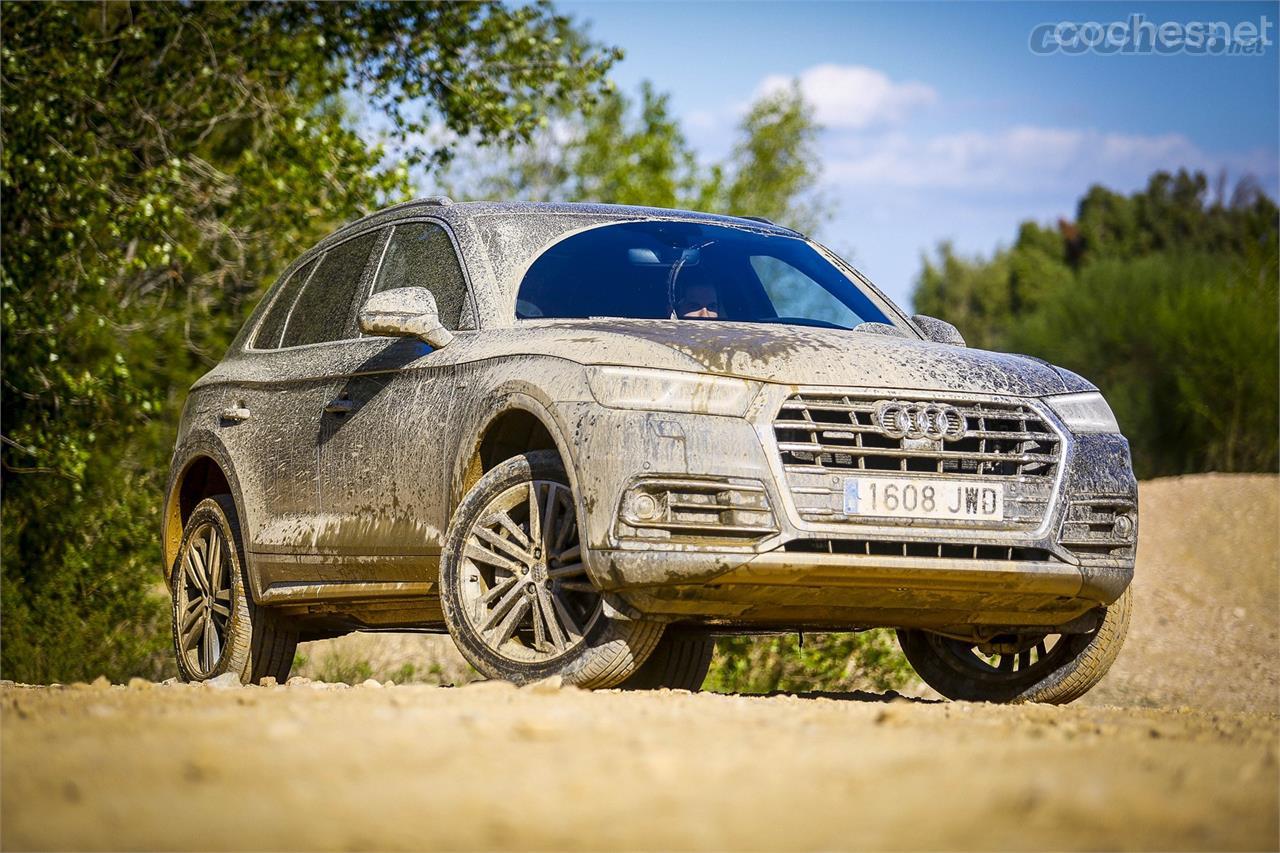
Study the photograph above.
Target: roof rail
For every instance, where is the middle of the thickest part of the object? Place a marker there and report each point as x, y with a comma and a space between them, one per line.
771, 222
438, 200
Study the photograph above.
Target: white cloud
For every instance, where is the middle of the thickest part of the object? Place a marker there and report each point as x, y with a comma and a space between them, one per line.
1021, 159
869, 143
902, 185
702, 120
853, 97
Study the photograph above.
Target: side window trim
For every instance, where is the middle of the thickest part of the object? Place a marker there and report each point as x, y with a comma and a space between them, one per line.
318, 258
288, 318
374, 269
372, 264
469, 320
311, 324
308, 259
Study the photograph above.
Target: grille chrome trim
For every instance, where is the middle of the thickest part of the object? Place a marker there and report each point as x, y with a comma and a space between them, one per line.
908, 453
822, 436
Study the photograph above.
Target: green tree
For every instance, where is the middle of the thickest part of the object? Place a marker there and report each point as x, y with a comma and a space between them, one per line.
1185, 347
971, 293
774, 168
1166, 298
625, 151
160, 163
632, 160
619, 151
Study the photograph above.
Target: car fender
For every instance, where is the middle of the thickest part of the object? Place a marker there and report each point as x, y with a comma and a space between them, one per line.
196, 444
524, 397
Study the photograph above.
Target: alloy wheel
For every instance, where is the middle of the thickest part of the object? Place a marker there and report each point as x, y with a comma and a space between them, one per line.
1005, 657
524, 587
204, 600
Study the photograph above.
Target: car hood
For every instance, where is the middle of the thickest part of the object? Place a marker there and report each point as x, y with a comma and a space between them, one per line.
798, 355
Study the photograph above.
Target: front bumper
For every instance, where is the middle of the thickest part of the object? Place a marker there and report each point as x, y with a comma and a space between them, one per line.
815, 591
797, 571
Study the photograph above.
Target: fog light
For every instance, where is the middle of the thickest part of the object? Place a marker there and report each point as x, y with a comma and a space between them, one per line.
690, 507
644, 507
1123, 527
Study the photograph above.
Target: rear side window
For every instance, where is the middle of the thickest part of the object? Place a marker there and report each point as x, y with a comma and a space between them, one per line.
324, 310
421, 255
268, 336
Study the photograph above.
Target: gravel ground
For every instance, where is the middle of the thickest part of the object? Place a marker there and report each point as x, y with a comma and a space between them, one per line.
1177, 749
489, 766
1206, 607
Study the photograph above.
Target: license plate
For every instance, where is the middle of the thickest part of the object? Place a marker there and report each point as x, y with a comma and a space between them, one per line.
919, 497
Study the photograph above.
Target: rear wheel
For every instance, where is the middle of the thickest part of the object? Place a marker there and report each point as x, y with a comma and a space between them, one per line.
515, 592
216, 626
680, 662
1050, 668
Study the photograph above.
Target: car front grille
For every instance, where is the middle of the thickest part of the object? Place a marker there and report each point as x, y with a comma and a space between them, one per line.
823, 438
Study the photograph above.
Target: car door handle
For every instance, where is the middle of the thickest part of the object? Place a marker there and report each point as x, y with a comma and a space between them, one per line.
235, 414
340, 406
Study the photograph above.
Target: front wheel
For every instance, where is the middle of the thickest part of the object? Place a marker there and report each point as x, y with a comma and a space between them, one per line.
680, 662
1050, 668
515, 592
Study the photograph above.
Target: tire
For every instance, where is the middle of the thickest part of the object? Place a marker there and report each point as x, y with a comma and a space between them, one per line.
223, 631
680, 662
1062, 673
522, 613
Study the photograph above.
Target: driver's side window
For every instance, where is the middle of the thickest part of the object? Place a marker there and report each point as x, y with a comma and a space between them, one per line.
421, 254
795, 294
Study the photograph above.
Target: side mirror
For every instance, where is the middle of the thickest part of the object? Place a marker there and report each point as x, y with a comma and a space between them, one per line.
404, 312
938, 331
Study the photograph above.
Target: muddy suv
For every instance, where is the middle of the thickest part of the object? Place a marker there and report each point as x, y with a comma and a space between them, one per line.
586, 439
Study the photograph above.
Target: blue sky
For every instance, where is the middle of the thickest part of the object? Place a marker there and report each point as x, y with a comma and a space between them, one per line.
939, 122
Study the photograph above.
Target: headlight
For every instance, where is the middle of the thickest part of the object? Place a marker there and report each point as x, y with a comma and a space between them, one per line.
670, 391
1084, 413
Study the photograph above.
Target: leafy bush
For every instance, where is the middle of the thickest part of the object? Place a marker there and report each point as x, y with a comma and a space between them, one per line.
160, 163
838, 663
1166, 299
338, 668
1185, 348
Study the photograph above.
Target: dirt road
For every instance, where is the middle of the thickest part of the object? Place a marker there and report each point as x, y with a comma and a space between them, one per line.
1206, 597
488, 766
1177, 749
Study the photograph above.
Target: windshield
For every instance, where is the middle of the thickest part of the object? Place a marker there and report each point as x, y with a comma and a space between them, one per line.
662, 270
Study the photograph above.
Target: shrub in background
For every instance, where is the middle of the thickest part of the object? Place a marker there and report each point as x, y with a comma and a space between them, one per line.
1167, 299
160, 163
828, 663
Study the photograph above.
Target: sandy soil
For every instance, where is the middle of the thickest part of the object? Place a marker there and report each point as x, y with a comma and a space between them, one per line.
1178, 749
1206, 609
490, 766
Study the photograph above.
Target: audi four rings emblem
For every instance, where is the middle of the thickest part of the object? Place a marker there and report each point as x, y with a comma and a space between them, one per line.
937, 421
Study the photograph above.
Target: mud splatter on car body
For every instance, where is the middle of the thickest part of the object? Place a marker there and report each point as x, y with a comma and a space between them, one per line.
348, 456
